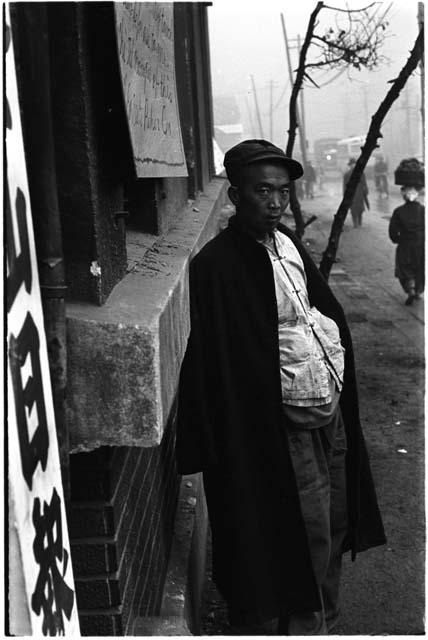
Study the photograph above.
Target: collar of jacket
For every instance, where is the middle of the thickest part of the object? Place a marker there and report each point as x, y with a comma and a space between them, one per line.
236, 225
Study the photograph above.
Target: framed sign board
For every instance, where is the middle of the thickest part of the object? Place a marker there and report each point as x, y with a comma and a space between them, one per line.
145, 43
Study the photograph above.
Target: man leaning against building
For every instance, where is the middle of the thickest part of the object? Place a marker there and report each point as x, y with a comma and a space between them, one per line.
268, 411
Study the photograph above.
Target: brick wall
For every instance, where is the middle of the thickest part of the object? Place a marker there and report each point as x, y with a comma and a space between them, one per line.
121, 518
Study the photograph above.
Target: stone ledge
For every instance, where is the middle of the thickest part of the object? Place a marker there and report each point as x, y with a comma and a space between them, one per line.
124, 358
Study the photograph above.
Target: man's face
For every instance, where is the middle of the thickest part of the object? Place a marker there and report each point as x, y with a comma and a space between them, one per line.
261, 197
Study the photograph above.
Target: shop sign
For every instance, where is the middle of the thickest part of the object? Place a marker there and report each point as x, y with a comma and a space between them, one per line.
37, 518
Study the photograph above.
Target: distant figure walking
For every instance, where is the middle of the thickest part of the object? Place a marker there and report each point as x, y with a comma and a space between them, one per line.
360, 199
407, 230
320, 175
310, 179
381, 176
300, 193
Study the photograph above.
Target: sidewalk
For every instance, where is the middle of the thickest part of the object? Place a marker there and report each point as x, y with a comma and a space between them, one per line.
382, 592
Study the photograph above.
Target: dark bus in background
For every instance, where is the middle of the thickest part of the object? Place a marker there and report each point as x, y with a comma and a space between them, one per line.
351, 148
325, 156
333, 154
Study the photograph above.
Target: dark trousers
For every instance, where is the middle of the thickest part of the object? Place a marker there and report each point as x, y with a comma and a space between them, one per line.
318, 458
357, 217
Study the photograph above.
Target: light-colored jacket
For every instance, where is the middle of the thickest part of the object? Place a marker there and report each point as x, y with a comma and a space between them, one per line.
309, 343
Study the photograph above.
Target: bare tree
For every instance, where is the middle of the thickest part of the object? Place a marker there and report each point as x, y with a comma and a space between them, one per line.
370, 144
354, 42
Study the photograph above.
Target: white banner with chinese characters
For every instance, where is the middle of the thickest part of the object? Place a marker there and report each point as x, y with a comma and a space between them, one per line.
38, 535
145, 42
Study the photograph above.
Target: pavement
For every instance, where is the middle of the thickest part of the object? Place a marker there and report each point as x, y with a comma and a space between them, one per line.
383, 590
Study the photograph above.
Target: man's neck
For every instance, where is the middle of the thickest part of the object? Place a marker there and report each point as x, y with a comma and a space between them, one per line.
249, 231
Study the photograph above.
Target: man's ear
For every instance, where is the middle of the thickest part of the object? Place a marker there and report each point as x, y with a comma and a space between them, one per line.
233, 194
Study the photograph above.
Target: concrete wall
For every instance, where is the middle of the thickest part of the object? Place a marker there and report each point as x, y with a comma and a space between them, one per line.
124, 357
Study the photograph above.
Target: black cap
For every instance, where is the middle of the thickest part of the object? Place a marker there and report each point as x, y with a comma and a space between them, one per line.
250, 151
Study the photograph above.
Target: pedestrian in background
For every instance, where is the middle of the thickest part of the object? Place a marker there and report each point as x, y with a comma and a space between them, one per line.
380, 171
320, 175
407, 230
300, 192
360, 199
310, 179
268, 412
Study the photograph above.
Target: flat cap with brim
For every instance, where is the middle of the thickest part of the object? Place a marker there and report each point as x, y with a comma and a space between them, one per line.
251, 151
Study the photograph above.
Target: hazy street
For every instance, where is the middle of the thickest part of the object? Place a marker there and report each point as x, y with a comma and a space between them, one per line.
367, 254
383, 591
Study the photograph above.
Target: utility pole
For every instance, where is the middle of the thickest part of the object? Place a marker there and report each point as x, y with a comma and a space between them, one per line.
406, 108
345, 114
366, 105
302, 98
271, 85
257, 108
421, 20
250, 117
410, 112
290, 73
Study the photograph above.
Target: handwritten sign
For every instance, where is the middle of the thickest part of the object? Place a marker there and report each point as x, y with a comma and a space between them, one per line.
40, 549
145, 42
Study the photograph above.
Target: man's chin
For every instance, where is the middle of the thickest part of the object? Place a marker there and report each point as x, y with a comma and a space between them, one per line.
273, 222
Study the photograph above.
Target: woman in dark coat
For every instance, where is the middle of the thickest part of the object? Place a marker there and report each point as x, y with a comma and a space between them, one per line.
407, 230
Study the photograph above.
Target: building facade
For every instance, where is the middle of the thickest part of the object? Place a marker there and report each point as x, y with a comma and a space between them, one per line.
114, 232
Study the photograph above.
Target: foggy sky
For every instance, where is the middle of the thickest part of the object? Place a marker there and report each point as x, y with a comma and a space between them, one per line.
246, 39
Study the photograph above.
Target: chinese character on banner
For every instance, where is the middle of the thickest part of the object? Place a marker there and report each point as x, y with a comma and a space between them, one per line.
51, 595
41, 595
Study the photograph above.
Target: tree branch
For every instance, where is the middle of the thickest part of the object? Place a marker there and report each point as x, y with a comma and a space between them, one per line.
350, 10
323, 63
348, 47
294, 203
310, 80
370, 144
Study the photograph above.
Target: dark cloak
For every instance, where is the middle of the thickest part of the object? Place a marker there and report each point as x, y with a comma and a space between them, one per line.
407, 229
231, 427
